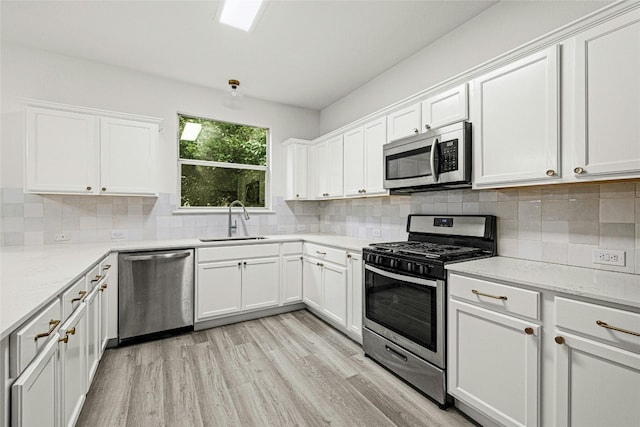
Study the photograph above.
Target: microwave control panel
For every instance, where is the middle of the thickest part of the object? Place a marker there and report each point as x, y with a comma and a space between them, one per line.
449, 156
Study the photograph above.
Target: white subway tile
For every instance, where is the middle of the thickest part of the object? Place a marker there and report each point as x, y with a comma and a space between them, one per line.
618, 190
580, 255
555, 252
617, 236
617, 210
584, 232
555, 231
33, 210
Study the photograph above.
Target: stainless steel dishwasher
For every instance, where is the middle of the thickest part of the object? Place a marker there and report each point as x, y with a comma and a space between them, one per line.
155, 293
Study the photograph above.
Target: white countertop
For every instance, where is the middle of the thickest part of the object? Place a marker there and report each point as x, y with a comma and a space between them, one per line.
608, 286
32, 276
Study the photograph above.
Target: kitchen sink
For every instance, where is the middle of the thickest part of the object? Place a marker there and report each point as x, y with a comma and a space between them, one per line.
227, 239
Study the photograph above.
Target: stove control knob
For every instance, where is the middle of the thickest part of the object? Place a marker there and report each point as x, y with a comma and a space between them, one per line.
409, 267
393, 263
421, 269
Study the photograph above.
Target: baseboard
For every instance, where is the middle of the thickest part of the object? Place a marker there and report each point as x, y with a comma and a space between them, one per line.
242, 317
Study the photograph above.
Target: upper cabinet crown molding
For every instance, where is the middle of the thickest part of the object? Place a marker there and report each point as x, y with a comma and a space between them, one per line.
73, 150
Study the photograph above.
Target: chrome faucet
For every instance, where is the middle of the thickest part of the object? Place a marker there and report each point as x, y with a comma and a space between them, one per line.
234, 226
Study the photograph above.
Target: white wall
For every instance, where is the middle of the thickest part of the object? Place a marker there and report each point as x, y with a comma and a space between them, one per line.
499, 29
48, 76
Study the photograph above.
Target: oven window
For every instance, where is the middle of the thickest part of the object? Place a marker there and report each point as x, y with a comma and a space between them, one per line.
409, 164
403, 307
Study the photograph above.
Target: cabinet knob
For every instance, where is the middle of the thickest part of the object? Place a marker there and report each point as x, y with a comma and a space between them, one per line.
297, 195
528, 331
104, 188
578, 170
239, 264
364, 191
88, 188
415, 130
559, 340
349, 256
427, 127
551, 172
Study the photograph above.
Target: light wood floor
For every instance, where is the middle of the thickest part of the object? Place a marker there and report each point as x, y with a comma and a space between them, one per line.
286, 370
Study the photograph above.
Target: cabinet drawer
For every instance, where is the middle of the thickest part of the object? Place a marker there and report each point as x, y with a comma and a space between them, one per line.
291, 248
237, 252
93, 277
598, 321
72, 297
337, 256
24, 345
495, 296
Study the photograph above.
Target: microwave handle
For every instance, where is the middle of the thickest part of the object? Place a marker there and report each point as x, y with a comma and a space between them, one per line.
434, 161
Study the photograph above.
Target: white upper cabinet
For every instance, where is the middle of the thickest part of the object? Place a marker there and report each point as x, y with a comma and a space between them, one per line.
60, 152
71, 150
354, 150
329, 168
403, 122
297, 168
128, 157
515, 112
445, 108
607, 99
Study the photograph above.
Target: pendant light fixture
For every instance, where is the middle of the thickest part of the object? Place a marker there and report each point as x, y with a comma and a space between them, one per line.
234, 99
234, 84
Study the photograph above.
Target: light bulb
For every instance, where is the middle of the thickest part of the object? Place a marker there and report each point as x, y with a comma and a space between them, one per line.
234, 92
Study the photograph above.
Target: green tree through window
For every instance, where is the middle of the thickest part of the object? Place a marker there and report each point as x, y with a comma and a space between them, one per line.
224, 162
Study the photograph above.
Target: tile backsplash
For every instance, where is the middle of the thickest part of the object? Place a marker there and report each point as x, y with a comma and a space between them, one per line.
559, 223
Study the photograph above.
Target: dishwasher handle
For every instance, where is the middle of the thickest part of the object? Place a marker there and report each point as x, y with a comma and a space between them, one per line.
156, 256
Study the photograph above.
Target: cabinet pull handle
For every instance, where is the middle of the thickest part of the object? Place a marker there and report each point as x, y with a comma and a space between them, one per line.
319, 264
578, 170
240, 264
52, 326
102, 288
96, 279
71, 331
64, 339
88, 188
528, 331
321, 253
500, 297
245, 264
551, 172
82, 294
615, 328
104, 188
297, 195
349, 256
106, 267
427, 127
415, 130
559, 340
364, 191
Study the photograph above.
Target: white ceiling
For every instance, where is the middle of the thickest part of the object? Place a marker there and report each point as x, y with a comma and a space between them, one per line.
304, 53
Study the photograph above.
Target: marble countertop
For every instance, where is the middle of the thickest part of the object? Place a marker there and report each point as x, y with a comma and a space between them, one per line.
606, 286
32, 276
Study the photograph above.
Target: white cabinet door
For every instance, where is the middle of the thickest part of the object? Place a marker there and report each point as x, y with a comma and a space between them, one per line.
596, 384
403, 122
129, 152
219, 288
493, 364
260, 283
35, 393
313, 173
334, 167
60, 152
73, 353
292, 279
354, 296
334, 293
607, 91
375, 136
321, 152
515, 122
296, 157
445, 108
312, 284
93, 333
103, 297
354, 155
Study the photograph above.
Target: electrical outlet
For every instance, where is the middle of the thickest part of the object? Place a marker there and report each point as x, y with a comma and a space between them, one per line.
62, 237
376, 232
119, 235
301, 227
609, 257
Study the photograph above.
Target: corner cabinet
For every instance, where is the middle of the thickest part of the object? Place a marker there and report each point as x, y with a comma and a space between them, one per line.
73, 150
515, 115
607, 100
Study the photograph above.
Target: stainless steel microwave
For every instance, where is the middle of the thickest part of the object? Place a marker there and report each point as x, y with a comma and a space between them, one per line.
438, 158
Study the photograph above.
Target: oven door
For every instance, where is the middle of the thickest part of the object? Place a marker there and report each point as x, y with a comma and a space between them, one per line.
406, 310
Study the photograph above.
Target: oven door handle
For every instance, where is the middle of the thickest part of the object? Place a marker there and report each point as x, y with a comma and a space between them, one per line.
395, 276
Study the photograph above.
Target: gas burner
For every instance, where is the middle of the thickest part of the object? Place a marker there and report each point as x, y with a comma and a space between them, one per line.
426, 249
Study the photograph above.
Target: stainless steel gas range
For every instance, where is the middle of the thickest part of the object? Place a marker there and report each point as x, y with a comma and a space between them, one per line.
405, 295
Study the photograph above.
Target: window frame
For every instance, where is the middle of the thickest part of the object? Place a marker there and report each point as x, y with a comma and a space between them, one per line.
221, 209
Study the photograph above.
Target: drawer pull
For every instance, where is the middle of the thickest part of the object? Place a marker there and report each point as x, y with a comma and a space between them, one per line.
96, 279
395, 353
102, 288
614, 328
82, 294
71, 331
528, 331
319, 264
500, 297
52, 326
106, 267
559, 340
64, 339
321, 253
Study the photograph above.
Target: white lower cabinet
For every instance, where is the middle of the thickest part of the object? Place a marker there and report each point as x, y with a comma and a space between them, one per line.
291, 278
73, 346
93, 333
312, 283
260, 283
219, 288
354, 293
494, 363
334, 293
34, 394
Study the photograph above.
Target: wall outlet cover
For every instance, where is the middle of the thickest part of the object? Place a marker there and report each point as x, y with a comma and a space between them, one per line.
376, 232
301, 227
62, 237
608, 257
119, 235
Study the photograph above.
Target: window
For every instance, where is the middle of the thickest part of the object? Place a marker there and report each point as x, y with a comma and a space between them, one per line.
220, 162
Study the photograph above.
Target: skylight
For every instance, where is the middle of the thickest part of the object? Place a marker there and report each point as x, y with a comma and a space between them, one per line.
190, 132
240, 13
